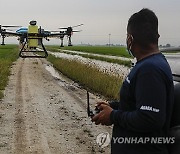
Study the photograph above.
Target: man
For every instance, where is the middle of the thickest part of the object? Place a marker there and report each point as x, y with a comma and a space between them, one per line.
146, 98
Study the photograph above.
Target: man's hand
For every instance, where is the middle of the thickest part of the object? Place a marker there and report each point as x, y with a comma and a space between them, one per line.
104, 116
99, 104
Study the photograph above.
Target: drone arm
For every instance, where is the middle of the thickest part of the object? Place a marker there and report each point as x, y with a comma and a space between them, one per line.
11, 34
55, 35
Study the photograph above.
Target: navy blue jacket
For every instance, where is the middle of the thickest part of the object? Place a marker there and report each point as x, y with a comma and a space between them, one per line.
144, 109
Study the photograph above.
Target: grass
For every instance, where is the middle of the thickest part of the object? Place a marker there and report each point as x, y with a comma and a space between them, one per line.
103, 50
126, 63
8, 54
89, 77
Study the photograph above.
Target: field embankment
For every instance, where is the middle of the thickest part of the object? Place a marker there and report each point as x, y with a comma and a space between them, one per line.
8, 54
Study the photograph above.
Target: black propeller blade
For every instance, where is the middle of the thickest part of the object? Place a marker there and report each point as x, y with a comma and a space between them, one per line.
62, 28
76, 30
9, 29
11, 26
77, 25
71, 27
54, 31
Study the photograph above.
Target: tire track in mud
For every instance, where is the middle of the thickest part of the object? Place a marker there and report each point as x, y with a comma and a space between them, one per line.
28, 137
20, 127
37, 141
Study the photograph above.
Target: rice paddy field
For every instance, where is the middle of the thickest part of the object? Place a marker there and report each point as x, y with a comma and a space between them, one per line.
8, 54
103, 50
97, 53
90, 77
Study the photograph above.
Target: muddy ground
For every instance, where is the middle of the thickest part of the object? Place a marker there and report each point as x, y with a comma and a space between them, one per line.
46, 115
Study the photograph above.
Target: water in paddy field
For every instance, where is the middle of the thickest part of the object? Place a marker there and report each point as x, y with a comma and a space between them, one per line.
52, 71
63, 80
116, 69
98, 55
174, 62
106, 67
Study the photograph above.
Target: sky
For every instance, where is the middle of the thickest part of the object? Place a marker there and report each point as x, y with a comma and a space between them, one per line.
100, 18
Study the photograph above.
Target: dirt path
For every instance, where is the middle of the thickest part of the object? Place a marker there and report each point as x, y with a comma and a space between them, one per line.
45, 115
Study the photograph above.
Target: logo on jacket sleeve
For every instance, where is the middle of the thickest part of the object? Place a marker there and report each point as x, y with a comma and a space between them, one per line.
149, 108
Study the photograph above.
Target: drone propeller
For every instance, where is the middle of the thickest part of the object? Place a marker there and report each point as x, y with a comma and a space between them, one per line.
63, 28
76, 30
77, 25
9, 29
71, 27
11, 26
54, 31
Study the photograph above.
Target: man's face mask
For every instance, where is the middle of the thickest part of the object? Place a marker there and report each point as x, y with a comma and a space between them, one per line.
129, 41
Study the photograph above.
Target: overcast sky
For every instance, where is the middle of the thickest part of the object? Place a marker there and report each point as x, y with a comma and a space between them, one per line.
100, 17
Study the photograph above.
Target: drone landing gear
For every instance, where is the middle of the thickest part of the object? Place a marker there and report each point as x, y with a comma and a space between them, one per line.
69, 41
61, 42
25, 50
3, 37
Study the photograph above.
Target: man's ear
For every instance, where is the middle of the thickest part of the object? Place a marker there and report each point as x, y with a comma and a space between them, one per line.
130, 40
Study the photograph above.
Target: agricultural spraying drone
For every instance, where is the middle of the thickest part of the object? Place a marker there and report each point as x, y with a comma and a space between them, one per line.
30, 38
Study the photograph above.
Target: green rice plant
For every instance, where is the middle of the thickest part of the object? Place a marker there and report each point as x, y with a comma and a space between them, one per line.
8, 54
89, 77
4, 72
